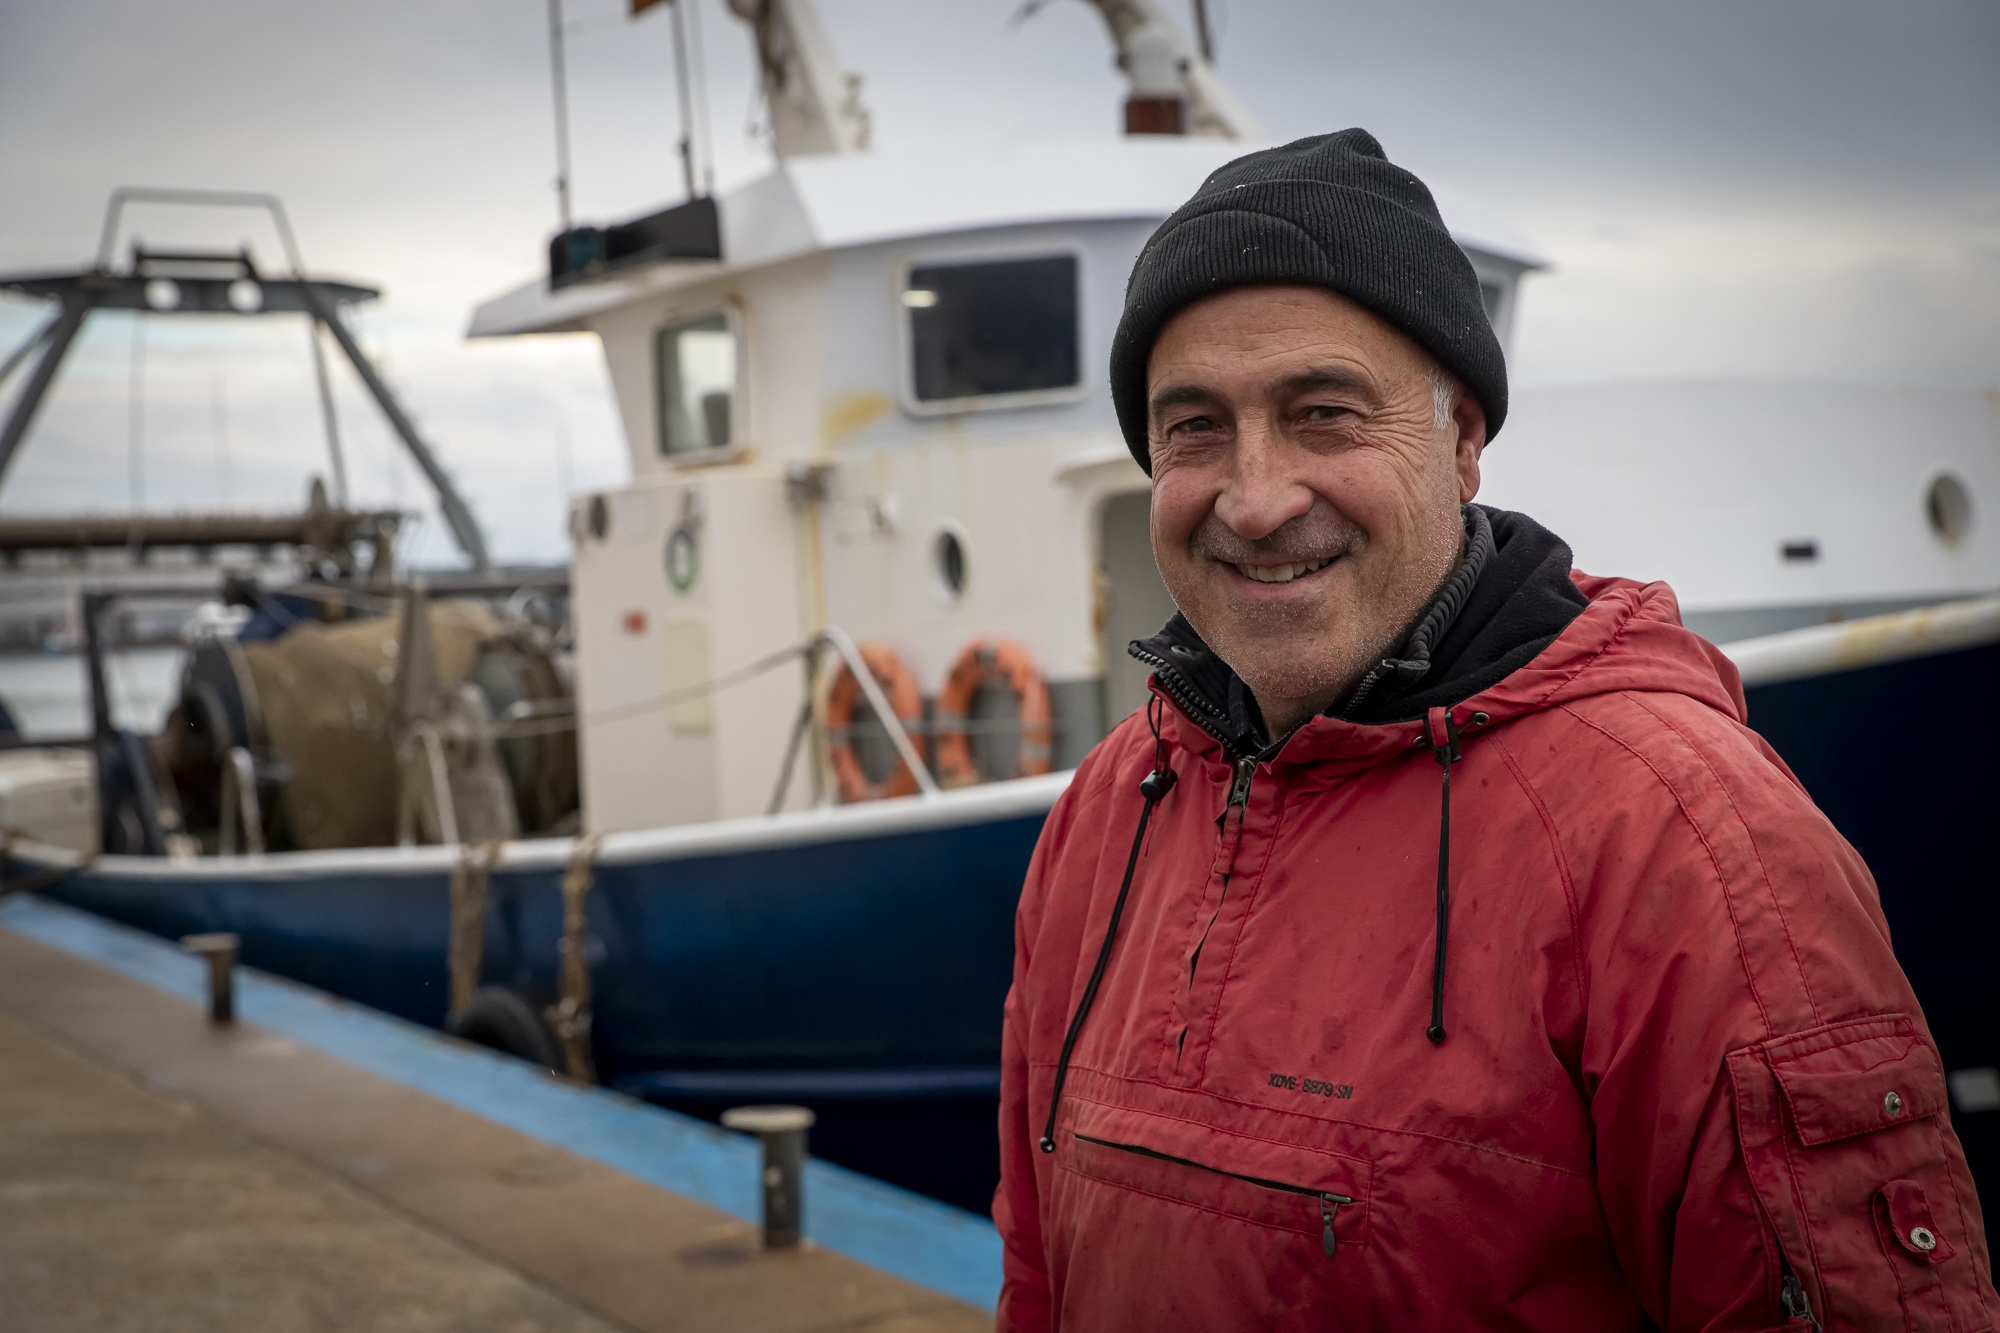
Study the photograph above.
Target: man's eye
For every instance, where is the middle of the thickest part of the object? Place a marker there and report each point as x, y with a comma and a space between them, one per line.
1192, 426
1324, 412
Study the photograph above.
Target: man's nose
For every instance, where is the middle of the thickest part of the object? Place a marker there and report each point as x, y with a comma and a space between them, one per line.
1264, 491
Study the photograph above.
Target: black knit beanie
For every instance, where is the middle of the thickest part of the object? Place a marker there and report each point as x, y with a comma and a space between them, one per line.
1331, 212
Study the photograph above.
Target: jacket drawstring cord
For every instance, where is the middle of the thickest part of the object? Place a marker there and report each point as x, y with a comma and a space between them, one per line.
1154, 787
1443, 735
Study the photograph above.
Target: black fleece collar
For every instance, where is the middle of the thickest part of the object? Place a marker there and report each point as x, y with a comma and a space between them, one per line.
1506, 600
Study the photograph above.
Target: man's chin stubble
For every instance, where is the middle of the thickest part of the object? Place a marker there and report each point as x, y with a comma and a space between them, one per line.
1269, 645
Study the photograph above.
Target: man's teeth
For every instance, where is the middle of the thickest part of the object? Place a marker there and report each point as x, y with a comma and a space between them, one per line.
1281, 573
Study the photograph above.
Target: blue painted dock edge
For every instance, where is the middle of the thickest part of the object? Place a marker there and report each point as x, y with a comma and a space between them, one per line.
914, 1238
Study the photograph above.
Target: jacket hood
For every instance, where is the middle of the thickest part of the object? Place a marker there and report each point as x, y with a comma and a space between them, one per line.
1514, 630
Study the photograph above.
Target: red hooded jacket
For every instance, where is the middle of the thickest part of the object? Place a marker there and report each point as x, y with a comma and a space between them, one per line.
1681, 1080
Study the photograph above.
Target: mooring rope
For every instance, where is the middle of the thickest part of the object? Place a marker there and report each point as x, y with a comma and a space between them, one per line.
470, 877
570, 1016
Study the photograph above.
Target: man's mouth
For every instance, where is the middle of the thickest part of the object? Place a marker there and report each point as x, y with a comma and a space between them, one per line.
1282, 573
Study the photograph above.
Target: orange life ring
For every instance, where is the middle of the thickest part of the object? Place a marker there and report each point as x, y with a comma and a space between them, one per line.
845, 700
984, 662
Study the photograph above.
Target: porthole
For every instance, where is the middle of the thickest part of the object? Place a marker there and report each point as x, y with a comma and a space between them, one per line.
1948, 509
948, 563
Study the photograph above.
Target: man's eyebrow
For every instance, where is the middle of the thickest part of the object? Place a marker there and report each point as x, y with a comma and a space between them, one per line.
1327, 377
1312, 380
1178, 395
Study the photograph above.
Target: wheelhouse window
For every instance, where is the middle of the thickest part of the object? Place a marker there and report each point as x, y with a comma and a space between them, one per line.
991, 331
695, 368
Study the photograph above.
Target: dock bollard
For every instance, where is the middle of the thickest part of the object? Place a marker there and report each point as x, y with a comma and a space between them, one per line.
220, 952
782, 1131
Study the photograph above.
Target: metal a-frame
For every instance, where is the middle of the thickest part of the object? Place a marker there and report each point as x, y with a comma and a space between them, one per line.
204, 282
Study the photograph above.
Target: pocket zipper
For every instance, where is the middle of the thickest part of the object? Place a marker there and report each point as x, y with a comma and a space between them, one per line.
1329, 1203
1792, 1294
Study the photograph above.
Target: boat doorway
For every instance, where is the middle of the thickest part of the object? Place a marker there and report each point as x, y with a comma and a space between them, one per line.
1132, 601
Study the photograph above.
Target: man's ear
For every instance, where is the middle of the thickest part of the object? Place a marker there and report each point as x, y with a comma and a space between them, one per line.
1468, 422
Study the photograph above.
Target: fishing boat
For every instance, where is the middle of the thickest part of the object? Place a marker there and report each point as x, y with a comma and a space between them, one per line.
864, 606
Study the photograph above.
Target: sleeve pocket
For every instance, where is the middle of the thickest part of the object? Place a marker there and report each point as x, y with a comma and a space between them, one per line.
1841, 1134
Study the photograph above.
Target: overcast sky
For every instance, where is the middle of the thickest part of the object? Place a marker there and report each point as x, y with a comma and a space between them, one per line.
1803, 189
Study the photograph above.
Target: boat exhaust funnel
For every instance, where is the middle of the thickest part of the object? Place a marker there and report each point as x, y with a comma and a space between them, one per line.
1172, 87
1153, 67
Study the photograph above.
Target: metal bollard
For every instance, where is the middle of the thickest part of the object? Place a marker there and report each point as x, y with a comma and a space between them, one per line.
220, 952
782, 1131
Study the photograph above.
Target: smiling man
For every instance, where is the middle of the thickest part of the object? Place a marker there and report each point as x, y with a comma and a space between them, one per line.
1439, 949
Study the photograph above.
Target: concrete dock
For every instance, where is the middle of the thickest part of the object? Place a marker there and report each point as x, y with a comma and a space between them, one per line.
160, 1174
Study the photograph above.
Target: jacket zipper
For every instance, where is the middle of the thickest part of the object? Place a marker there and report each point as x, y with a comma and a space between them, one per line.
1239, 790
1329, 1202
1191, 703
1792, 1294
1204, 715
1364, 689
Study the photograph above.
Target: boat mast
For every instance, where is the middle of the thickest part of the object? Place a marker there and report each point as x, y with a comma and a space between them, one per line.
814, 106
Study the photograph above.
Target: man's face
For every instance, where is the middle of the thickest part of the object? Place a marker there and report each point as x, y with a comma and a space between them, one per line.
1305, 495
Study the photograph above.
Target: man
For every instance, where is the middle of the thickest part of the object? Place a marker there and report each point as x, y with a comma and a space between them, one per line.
1439, 949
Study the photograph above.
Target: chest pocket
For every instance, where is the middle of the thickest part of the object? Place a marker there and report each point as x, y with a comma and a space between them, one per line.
1286, 1187
1839, 1128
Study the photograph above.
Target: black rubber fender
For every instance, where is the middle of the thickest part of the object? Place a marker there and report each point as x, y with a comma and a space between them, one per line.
505, 1020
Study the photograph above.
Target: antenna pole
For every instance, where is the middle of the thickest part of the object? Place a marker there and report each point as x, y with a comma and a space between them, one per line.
701, 97
687, 98
561, 85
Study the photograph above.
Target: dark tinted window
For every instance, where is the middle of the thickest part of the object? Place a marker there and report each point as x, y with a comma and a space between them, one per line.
982, 329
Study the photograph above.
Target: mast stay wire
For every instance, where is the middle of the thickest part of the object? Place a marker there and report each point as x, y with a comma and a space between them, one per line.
218, 410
